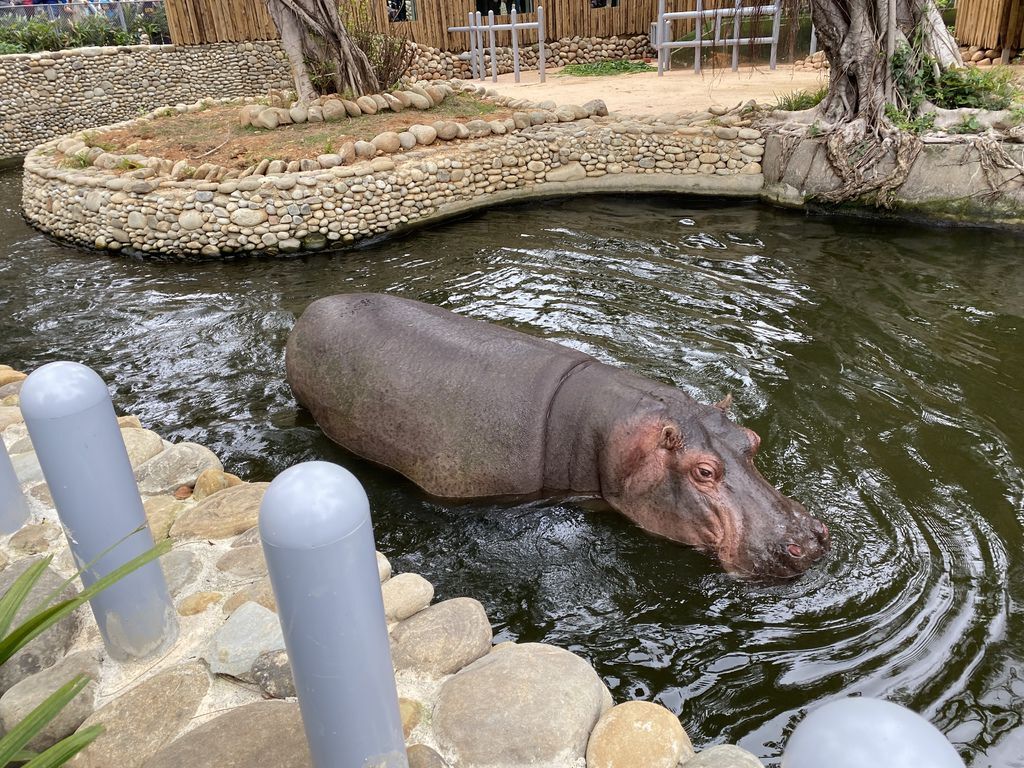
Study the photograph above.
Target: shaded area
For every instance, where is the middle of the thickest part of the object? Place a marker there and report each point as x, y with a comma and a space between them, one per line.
879, 362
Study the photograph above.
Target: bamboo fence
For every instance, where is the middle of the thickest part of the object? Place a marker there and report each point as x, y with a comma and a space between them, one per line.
990, 23
194, 22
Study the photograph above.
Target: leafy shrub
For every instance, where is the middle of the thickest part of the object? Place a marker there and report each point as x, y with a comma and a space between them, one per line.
6, 48
600, 68
41, 33
973, 87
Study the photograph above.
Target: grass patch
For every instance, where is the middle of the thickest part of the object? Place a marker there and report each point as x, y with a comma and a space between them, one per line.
78, 160
797, 101
969, 124
603, 68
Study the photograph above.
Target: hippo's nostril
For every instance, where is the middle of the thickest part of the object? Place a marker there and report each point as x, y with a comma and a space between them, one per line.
795, 550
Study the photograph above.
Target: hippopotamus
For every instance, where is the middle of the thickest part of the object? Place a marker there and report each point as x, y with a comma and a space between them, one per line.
467, 410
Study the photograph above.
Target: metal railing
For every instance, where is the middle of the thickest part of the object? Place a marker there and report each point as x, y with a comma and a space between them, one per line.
664, 43
81, 23
476, 29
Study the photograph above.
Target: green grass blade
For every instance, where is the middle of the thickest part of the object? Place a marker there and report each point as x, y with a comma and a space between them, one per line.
65, 749
16, 739
44, 619
55, 595
18, 592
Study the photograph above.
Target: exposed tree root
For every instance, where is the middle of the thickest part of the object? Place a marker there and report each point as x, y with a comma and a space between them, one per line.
871, 164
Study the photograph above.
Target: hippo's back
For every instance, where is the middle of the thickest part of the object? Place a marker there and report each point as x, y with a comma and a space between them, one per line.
456, 405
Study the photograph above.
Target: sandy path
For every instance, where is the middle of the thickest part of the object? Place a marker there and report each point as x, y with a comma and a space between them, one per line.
677, 91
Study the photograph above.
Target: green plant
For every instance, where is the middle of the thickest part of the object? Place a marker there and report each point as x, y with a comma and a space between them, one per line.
974, 87
6, 48
12, 745
800, 100
127, 165
390, 55
969, 124
814, 130
328, 147
77, 160
918, 124
1017, 114
603, 68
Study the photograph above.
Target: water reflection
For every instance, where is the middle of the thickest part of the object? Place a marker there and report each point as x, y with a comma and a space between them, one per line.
879, 364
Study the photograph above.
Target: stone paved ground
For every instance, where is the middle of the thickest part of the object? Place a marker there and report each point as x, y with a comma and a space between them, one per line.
679, 90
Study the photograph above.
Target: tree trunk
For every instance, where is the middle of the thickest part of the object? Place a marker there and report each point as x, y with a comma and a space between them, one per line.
312, 33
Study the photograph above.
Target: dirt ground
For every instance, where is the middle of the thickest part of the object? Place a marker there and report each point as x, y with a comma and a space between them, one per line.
679, 90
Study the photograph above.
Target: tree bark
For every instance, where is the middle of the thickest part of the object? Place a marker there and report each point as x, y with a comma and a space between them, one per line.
311, 31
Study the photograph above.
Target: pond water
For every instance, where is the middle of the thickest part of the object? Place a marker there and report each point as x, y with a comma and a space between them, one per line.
880, 363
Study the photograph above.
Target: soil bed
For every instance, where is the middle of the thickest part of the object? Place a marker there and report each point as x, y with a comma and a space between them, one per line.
213, 135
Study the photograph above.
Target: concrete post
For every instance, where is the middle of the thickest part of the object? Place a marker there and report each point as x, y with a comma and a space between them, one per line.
318, 541
75, 435
13, 507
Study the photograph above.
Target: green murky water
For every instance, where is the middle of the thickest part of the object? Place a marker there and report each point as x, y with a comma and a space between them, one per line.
882, 365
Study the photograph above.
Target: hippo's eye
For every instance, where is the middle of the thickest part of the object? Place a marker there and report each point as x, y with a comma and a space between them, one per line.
704, 472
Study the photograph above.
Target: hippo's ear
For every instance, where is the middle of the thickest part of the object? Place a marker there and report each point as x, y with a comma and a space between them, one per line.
671, 440
725, 403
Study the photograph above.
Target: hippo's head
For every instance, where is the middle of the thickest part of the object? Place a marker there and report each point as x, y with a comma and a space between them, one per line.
684, 471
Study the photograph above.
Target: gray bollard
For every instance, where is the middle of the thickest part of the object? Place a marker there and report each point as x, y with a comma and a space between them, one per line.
75, 434
318, 541
13, 507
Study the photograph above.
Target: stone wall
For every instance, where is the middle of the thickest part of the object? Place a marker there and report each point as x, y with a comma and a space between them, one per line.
52, 94
435, 64
541, 150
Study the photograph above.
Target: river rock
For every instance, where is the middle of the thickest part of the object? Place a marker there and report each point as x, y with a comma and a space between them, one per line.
141, 444
10, 376
422, 756
383, 568
141, 722
49, 647
394, 104
530, 704
442, 639
365, 149
161, 512
424, 134
411, 712
246, 562
596, 107
367, 105
212, 480
259, 592
334, 110
272, 672
268, 119
248, 632
262, 733
181, 567
416, 100
405, 595
22, 698
34, 538
724, 756
228, 513
9, 414
198, 602
571, 171
638, 734
179, 465
387, 142
446, 129
407, 140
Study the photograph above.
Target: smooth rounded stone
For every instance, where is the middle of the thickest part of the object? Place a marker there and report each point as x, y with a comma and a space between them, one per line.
405, 595
751, 168
403, 97
521, 119
315, 114
367, 105
365, 149
497, 127
141, 444
571, 171
422, 756
635, 734
463, 131
9, 377
9, 414
579, 113
49, 647
752, 150
351, 108
198, 602
436, 94
179, 465
565, 115
530, 704
266, 733
442, 638
383, 568
141, 722
394, 104
596, 107
272, 672
718, 109
22, 698
407, 140
210, 481
334, 110
277, 166
181, 567
268, 119
538, 118
228, 513
723, 756
248, 217
424, 134
246, 562
161, 512
298, 114
248, 632
34, 539
190, 220
329, 161
749, 133
380, 101
387, 142
446, 130
260, 593
478, 128
726, 133
418, 101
